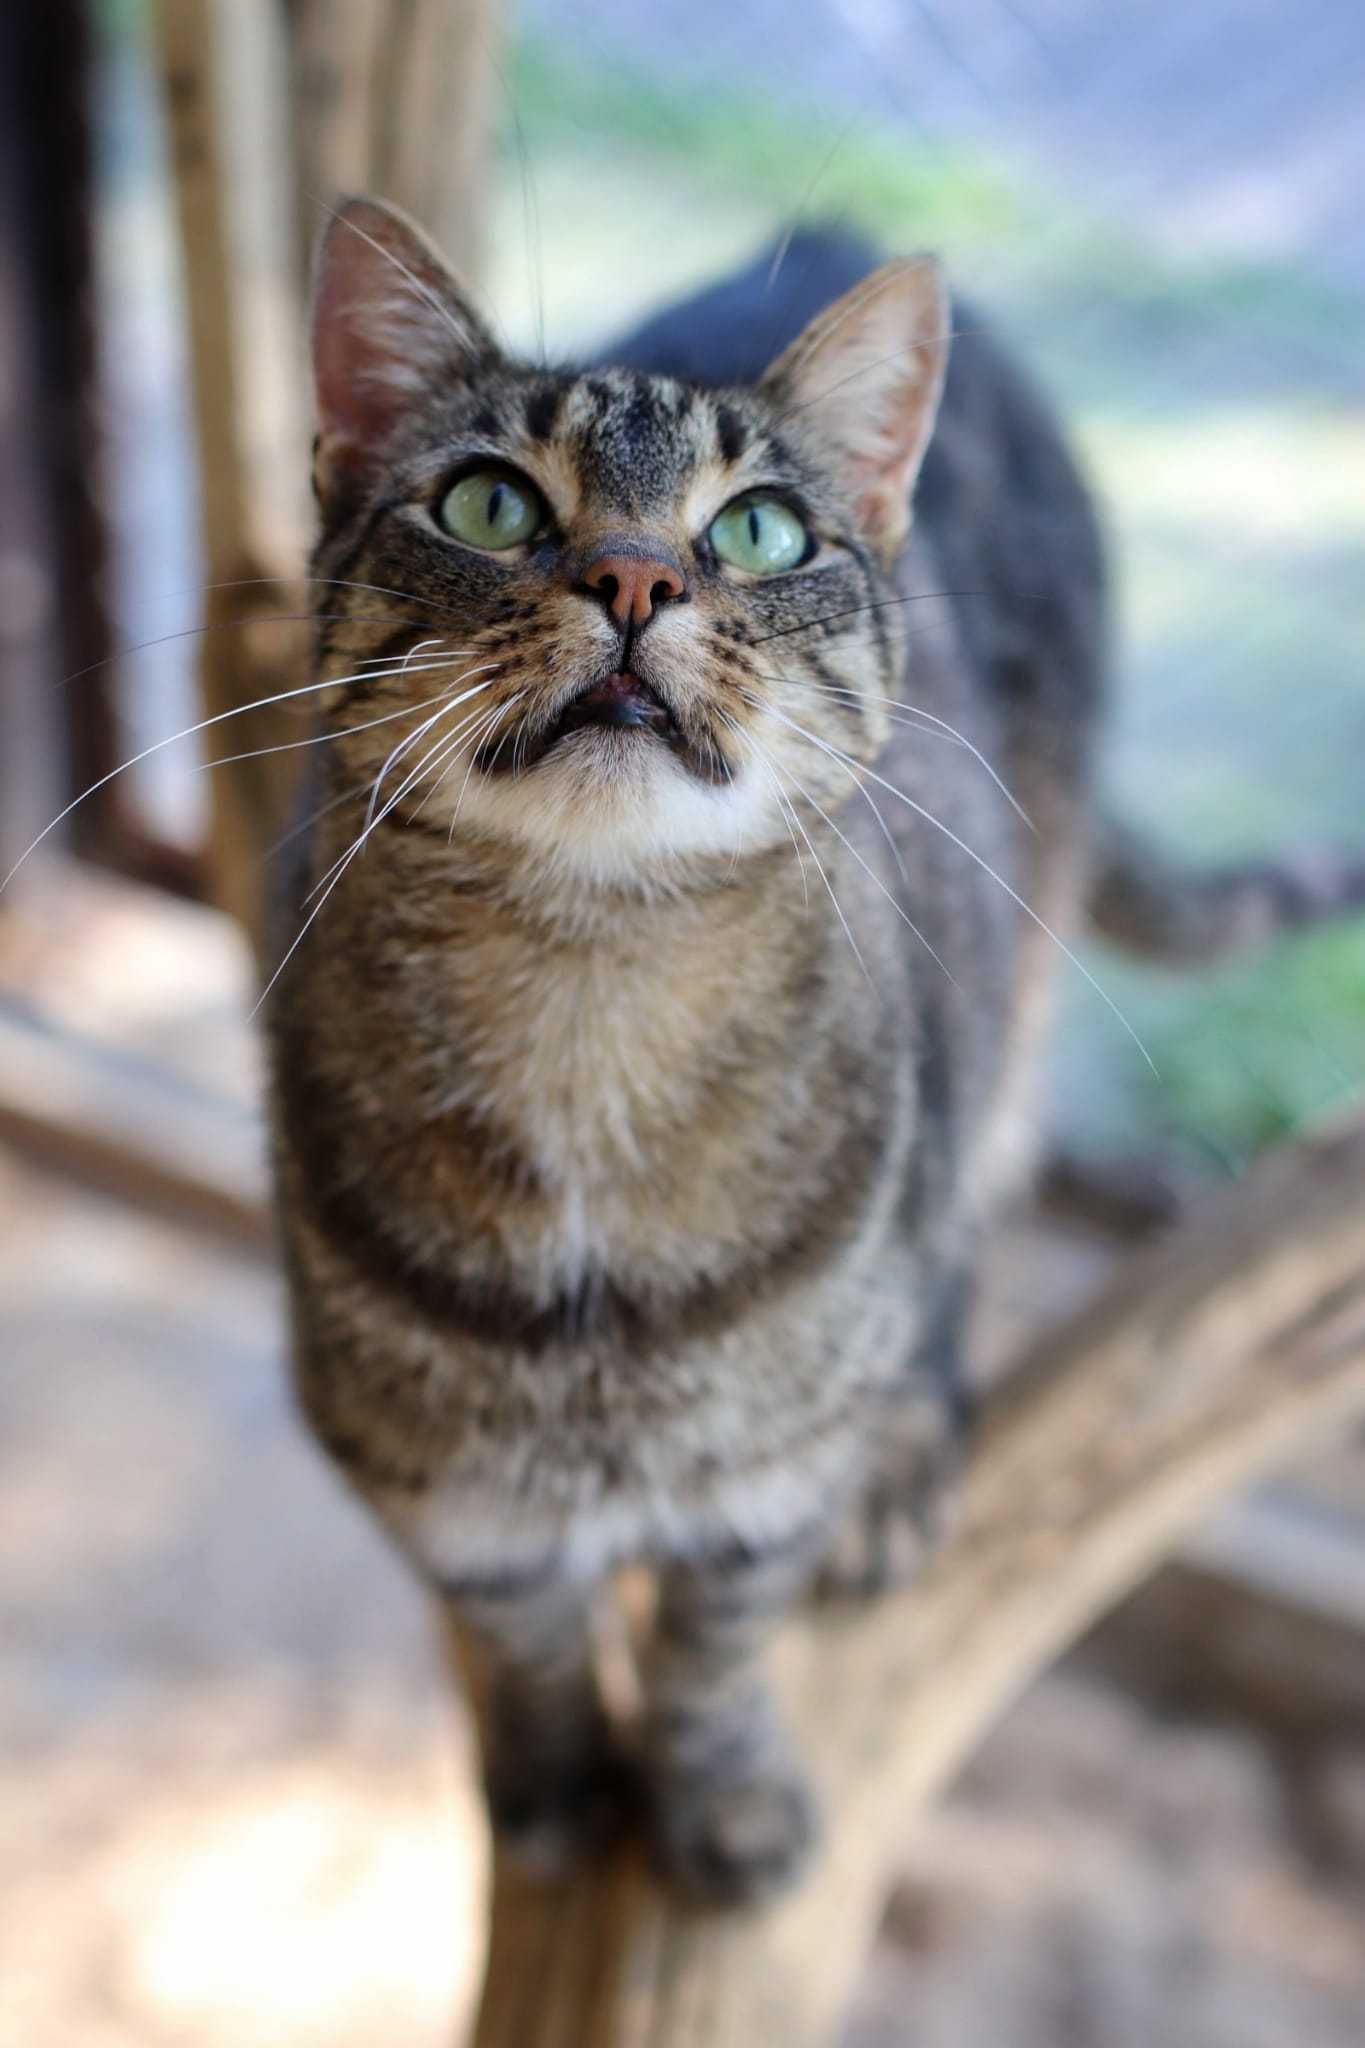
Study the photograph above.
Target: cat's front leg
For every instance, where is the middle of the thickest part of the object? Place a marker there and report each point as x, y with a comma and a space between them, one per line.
919, 1438
733, 1814
523, 1648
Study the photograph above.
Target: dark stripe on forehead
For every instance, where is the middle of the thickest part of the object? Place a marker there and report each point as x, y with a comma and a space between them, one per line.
643, 414
488, 423
731, 432
602, 396
542, 411
779, 451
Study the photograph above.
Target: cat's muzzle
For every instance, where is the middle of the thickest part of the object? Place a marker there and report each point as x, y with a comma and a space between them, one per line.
618, 700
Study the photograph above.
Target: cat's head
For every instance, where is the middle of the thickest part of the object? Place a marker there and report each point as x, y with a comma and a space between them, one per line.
657, 606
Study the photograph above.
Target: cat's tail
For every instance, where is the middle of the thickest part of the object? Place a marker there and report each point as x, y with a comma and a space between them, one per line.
1160, 910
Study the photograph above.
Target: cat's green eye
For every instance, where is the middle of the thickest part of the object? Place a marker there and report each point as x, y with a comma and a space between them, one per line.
492, 509
760, 534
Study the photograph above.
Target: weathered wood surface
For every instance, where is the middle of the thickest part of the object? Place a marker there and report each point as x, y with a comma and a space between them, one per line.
398, 98
1210, 1357
223, 69
271, 112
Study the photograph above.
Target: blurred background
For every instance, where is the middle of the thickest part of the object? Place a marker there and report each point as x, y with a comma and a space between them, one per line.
231, 1798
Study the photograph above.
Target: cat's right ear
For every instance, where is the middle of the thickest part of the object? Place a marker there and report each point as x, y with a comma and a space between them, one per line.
391, 326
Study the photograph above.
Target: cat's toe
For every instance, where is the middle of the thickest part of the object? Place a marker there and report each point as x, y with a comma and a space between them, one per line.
902, 1518
730, 1842
883, 1544
547, 1820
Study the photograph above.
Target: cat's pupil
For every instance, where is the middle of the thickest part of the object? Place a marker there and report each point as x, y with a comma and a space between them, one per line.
754, 524
495, 497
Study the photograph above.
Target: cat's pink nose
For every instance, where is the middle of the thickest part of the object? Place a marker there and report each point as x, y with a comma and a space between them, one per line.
632, 587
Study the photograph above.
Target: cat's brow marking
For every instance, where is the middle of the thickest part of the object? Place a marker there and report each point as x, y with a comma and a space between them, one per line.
542, 411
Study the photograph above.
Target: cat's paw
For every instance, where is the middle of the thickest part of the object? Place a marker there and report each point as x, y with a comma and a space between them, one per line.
903, 1514
547, 1819
736, 1840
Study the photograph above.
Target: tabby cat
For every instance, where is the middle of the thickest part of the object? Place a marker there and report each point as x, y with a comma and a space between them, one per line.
668, 953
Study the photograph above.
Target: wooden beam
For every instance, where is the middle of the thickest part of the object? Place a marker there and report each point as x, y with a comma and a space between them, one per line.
115, 1124
398, 98
223, 69
395, 96
1211, 1356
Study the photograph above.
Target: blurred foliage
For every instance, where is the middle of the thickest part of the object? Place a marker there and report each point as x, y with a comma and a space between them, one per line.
859, 171
1220, 407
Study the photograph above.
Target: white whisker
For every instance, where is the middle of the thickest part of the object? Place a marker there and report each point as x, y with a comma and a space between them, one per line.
473, 757
157, 746
836, 754
902, 713
411, 739
436, 752
769, 768
340, 732
871, 872
338, 868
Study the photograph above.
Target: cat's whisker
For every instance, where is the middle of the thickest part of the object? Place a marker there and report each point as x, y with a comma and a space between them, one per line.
869, 871
829, 888
482, 720
530, 209
852, 611
348, 796
374, 820
447, 754
340, 732
339, 868
769, 769
475, 744
171, 739
335, 583
783, 248
882, 825
238, 626
836, 754
909, 715
413, 738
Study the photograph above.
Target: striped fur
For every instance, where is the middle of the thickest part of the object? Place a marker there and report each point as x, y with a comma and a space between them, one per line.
632, 1149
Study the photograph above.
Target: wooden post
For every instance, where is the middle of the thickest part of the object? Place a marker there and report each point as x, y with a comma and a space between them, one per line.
398, 98
394, 96
223, 72
1206, 1362
59, 738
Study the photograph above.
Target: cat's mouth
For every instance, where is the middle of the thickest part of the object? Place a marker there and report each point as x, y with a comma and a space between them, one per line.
621, 700
623, 703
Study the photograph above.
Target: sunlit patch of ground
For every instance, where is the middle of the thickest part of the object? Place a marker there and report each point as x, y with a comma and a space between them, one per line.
235, 1795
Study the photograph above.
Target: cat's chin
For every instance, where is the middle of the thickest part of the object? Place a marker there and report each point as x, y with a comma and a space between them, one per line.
608, 804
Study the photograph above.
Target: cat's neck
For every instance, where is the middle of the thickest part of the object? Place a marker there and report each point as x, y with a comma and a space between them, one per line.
591, 1025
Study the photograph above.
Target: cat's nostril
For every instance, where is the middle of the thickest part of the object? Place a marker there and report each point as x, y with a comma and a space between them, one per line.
633, 588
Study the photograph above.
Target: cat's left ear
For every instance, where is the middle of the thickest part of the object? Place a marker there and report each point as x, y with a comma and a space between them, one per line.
865, 378
391, 326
